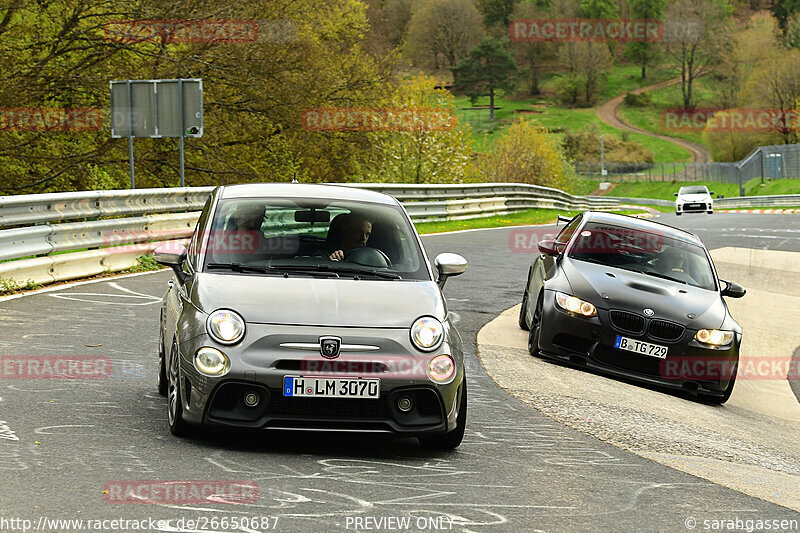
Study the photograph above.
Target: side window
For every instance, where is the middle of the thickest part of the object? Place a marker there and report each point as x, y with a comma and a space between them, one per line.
568, 231
197, 237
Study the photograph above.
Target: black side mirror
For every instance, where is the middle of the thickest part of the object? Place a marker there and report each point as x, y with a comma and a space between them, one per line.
172, 254
732, 290
712, 192
675, 194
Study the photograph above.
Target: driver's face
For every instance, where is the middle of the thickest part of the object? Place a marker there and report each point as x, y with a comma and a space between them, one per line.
357, 234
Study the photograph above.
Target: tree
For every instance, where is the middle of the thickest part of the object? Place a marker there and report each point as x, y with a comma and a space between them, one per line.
696, 38
641, 51
600, 9
593, 63
254, 91
527, 153
442, 31
496, 12
487, 68
533, 55
776, 85
782, 10
388, 23
423, 154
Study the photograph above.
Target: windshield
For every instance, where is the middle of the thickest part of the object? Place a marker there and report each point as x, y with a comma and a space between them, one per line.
693, 190
304, 236
646, 252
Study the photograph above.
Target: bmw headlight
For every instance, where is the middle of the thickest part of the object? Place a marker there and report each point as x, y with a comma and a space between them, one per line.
575, 305
211, 362
225, 326
427, 333
714, 337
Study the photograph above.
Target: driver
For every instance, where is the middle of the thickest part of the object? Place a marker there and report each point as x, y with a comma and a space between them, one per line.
355, 233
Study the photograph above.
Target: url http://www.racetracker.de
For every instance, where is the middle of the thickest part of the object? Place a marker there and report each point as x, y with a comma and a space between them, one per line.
200, 523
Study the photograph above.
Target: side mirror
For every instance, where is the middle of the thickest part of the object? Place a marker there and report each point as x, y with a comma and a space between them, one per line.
675, 194
712, 192
732, 290
171, 254
448, 265
548, 247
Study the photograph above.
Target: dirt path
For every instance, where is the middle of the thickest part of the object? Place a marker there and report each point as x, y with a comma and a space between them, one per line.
608, 114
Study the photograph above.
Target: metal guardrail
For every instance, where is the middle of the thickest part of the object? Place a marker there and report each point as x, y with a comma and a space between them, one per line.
783, 200
108, 230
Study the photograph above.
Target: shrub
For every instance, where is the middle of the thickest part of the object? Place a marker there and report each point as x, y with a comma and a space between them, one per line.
638, 99
527, 153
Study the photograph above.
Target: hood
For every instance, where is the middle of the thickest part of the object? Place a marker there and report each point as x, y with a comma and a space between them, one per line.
634, 292
319, 302
694, 197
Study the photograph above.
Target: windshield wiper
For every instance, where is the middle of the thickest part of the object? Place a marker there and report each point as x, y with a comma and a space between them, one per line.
357, 271
304, 269
659, 275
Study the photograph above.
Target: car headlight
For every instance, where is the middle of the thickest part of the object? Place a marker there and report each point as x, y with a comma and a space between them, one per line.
442, 368
225, 326
575, 305
427, 333
211, 362
714, 337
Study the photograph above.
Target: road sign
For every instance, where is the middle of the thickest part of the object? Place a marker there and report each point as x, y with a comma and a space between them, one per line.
156, 109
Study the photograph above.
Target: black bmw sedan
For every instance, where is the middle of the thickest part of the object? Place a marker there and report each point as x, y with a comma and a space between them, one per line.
636, 299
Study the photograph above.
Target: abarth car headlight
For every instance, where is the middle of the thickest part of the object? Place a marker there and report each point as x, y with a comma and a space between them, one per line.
211, 362
442, 368
575, 305
427, 333
714, 337
225, 326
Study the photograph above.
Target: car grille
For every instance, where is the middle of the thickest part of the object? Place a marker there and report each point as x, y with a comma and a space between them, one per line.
668, 331
629, 322
632, 362
328, 407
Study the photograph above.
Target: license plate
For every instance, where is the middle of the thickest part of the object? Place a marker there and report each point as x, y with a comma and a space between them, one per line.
644, 348
331, 387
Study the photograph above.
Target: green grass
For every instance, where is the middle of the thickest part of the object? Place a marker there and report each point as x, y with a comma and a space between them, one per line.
521, 218
554, 118
10, 286
649, 118
627, 78
665, 190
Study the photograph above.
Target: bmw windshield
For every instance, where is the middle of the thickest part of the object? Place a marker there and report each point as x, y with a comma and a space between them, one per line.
648, 253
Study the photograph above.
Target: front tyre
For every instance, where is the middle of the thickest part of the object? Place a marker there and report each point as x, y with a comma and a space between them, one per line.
177, 426
163, 385
450, 440
536, 328
718, 400
523, 320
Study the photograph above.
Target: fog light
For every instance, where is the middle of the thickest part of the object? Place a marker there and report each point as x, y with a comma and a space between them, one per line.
252, 399
405, 404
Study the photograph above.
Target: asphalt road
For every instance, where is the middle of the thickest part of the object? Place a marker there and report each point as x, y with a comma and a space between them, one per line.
63, 441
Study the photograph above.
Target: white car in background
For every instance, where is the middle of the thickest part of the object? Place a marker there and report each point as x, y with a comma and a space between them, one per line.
694, 199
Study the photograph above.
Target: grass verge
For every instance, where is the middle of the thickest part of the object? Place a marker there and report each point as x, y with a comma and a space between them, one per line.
521, 218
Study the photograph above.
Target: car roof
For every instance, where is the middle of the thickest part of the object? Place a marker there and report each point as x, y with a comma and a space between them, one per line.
305, 190
644, 225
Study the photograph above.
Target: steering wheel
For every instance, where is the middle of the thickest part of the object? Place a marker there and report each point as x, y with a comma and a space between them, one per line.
368, 256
